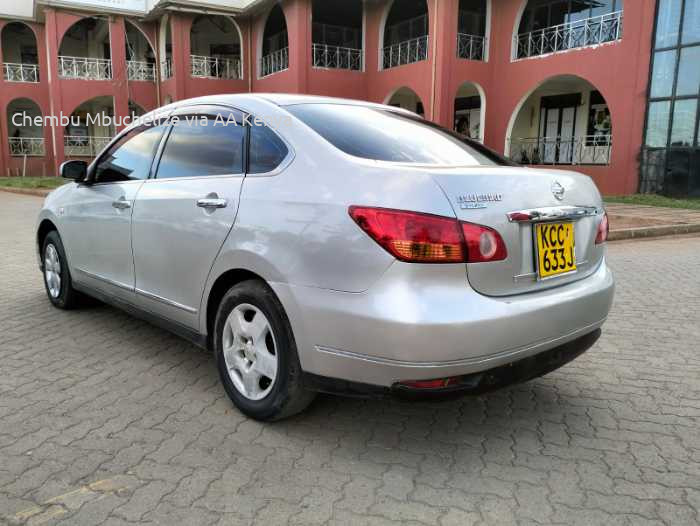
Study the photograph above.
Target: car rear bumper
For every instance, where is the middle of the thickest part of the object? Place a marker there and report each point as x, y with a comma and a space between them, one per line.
421, 322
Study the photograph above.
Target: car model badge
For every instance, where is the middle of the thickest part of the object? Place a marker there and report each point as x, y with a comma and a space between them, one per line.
475, 201
558, 190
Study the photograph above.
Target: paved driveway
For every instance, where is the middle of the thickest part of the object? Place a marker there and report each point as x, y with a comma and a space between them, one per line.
106, 418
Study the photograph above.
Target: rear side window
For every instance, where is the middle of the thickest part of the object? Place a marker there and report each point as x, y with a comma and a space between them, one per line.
130, 157
267, 150
385, 135
200, 146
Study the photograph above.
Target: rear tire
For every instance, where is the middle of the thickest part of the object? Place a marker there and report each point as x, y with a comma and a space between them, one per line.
256, 354
57, 278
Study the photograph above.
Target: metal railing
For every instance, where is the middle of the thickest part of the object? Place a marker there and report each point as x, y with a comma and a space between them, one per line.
471, 47
587, 149
84, 68
406, 52
13, 72
139, 70
336, 57
166, 69
204, 67
29, 146
581, 33
83, 146
274, 62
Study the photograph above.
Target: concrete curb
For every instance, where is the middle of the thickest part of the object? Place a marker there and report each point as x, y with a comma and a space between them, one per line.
36, 192
653, 231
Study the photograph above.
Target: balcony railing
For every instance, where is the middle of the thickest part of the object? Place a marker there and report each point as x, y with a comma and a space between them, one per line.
204, 67
20, 72
406, 52
84, 68
29, 146
581, 33
336, 57
274, 62
587, 149
83, 146
471, 47
138, 70
166, 69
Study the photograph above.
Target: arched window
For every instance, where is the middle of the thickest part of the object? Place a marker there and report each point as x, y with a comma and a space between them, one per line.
564, 121
19, 52
337, 34
89, 129
406, 99
84, 52
140, 57
25, 131
471, 29
405, 33
275, 44
215, 47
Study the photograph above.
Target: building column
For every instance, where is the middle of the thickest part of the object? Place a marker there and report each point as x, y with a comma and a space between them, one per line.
180, 31
56, 133
120, 79
297, 14
445, 13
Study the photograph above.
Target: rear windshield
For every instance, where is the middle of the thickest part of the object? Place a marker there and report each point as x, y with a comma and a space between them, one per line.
386, 135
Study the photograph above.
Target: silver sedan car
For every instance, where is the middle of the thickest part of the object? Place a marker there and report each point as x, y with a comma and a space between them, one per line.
318, 244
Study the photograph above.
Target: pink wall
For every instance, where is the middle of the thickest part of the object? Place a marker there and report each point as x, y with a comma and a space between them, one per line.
618, 70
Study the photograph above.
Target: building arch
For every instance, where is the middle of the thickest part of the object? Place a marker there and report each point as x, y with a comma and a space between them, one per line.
273, 43
470, 110
563, 119
402, 26
25, 133
213, 53
474, 20
83, 137
407, 99
19, 48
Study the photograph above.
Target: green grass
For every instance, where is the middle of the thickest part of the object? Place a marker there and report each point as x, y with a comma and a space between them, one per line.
655, 200
32, 182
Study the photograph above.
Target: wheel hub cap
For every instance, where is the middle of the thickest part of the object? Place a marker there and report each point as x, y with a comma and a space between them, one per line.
52, 271
250, 351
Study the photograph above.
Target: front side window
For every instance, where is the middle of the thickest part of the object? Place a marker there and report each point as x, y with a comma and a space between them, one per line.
385, 135
202, 146
130, 157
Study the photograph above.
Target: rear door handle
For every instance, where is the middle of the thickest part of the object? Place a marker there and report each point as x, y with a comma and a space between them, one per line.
121, 204
212, 202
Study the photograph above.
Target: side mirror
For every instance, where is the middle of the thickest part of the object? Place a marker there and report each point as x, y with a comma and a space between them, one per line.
75, 170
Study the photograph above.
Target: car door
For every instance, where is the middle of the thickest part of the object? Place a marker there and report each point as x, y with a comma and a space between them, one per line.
183, 215
97, 222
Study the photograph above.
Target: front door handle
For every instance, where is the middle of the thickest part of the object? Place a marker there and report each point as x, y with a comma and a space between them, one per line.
212, 202
121, 204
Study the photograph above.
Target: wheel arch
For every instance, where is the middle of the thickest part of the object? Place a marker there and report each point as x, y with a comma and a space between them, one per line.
218, 290
43, 230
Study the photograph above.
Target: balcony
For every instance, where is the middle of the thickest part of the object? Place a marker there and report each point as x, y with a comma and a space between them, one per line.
138, 70
406, 52
203, 67
274, 62
84, 68
587, 149
166, 69
20, 72
27, 146
471, 47
83, 146
336, 57
571, 35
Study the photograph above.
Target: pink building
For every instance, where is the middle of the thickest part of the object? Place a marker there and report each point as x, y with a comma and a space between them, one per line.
562, 83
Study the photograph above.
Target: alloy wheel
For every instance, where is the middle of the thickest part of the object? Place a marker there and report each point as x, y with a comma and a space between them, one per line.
52, 270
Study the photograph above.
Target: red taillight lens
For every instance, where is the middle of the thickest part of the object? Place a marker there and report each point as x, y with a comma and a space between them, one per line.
483, 244
603, 230
412, 236
424, 238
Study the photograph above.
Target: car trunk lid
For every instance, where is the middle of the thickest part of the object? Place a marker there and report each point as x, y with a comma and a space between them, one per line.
512, 201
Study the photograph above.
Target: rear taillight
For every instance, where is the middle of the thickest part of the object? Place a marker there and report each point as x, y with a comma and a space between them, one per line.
603, 230
424, 238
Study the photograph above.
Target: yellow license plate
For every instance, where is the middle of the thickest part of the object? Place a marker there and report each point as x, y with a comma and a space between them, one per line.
556, 252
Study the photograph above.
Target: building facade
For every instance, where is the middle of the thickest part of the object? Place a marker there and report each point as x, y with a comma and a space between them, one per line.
556, 83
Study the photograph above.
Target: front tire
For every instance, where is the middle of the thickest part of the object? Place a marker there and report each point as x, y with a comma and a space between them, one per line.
256, 354
57, 279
